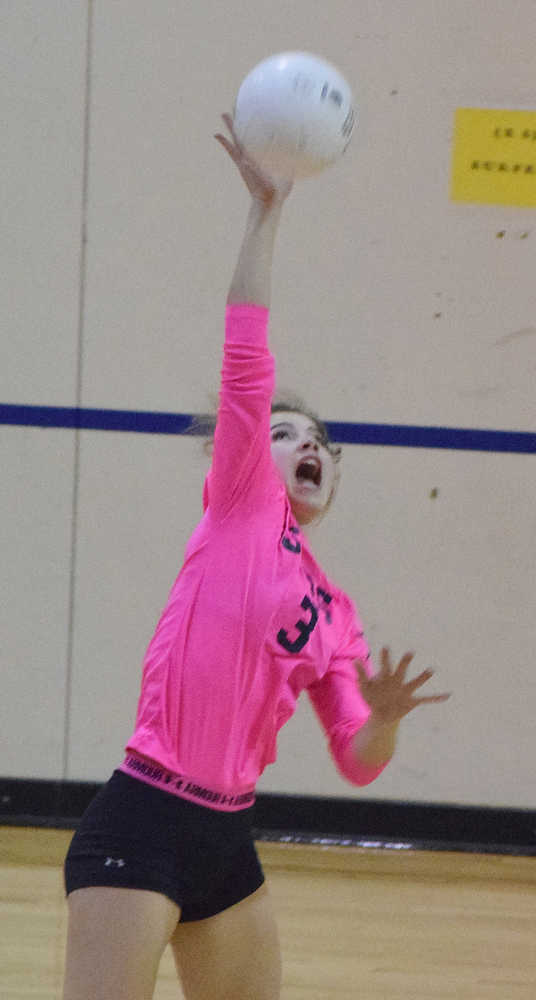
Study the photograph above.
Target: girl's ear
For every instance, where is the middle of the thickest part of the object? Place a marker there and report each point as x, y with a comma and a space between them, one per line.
208, 448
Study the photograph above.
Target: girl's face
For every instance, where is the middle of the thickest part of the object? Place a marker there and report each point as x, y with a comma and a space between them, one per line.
305, 464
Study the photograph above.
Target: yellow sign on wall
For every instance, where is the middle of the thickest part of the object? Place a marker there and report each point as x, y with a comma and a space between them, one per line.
494, 157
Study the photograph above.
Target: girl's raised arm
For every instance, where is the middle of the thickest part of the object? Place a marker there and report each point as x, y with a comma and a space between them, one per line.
251, 281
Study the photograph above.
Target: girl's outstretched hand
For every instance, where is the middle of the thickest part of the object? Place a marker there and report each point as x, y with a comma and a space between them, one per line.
261, 185
388, 695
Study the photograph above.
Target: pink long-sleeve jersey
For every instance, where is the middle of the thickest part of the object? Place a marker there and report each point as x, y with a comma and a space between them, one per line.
251, 621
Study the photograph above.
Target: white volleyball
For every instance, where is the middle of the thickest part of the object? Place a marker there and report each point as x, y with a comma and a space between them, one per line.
294, 114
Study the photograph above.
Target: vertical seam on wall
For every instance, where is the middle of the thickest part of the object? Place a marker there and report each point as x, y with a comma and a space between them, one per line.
79, 376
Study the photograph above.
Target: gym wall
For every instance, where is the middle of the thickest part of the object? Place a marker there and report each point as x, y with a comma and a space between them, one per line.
394, 305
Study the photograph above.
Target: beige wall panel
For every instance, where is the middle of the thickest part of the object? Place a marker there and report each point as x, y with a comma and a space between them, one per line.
35, 542
42, 98
140, 498
391, 305
450, 577
453, 579
396, 304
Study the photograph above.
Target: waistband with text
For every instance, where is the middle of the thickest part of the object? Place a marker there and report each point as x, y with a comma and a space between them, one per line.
185, 788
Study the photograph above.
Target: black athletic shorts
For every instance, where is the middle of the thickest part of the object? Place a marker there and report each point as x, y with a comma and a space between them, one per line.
134, 836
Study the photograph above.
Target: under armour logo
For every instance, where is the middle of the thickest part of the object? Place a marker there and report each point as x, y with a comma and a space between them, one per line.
119, 863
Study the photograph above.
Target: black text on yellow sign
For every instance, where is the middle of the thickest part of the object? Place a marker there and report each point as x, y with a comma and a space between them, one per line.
494, 157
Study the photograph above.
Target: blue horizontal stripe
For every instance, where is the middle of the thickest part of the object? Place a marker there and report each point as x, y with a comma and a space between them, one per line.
453, 438
138, 422
393, 435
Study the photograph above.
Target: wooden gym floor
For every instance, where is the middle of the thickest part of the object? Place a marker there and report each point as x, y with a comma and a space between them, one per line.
354, 924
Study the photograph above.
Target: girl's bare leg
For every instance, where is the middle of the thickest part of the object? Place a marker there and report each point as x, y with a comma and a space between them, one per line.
115, 940
232, 956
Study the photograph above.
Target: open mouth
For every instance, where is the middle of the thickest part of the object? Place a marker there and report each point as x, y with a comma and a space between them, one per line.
309, 471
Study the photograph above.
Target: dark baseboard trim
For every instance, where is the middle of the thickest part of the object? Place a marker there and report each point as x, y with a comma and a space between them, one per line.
372, 823
377, 823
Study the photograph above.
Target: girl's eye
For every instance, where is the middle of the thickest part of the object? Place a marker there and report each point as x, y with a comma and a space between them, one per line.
277, 435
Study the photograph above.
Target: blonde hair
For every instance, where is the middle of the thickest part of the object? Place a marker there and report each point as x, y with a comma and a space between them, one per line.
204, 424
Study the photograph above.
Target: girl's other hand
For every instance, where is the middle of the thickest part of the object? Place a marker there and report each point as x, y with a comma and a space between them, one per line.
389, 696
